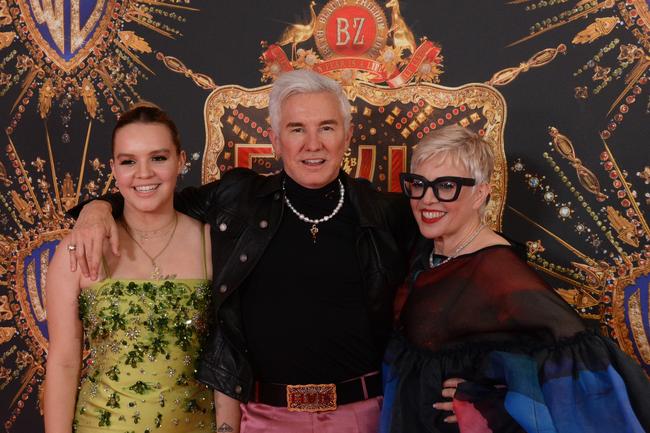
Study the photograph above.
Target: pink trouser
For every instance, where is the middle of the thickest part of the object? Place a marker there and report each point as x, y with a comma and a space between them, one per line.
359, 417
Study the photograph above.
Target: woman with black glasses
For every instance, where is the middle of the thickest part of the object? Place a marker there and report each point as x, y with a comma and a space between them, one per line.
472, 308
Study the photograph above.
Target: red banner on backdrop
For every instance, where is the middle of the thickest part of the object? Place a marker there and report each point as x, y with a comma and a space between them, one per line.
276, 55
367, 65
427, 51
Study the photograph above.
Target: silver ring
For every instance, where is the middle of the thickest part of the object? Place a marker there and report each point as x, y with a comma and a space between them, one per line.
72, 247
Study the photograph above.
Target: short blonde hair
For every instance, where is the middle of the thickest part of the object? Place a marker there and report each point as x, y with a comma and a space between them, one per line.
462, 146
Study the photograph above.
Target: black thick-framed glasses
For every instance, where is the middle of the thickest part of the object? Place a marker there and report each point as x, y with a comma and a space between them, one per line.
445, 188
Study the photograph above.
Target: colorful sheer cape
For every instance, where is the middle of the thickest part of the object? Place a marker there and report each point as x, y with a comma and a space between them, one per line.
488, 318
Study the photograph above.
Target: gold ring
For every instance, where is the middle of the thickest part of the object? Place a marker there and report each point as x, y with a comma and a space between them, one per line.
72, 247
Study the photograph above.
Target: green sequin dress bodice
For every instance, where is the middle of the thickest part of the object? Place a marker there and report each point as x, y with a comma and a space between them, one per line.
144, 338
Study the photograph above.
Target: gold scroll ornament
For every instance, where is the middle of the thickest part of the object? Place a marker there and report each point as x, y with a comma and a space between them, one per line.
45, 96
586, 177
625, 229
89, 98
6, 38
539, 59
602, 27
175, 65
5, 310
6, 333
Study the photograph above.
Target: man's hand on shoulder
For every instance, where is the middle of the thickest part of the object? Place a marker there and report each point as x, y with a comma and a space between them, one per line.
94, 226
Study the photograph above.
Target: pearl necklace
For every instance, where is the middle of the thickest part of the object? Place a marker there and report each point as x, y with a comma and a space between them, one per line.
460, 248
314, 222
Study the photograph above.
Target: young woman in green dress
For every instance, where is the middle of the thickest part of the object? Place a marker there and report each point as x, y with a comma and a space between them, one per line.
144, 319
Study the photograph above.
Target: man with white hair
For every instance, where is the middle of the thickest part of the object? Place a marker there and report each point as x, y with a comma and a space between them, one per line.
306, 265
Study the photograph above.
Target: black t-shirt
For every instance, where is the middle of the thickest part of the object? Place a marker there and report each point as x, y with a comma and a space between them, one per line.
303, 306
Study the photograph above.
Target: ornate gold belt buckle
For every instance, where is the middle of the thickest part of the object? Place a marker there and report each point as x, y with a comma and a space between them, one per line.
311, 398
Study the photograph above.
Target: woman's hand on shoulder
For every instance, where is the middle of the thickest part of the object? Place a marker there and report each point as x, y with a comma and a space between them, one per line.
449, 387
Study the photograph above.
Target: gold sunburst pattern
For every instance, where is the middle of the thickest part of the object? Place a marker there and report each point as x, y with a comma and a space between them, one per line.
609, 225
98, 61
608, 279
610, 23
59, 58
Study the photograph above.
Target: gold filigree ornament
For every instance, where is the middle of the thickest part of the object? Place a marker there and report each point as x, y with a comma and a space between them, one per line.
600, 73
625, 229
6, 39
596, 274
5, 17
390, 57
4, 78
6, 333
645, 175
578, 299
581, 92
45, 98
23, 208
133, 41
535, 247
629, 53
627, 292
72, 43
602, 27
307, 59
587, 178
4, 178
539, 59
97, 165
639, 334
430, 70
68, 198
5, 311
39, 164
6, 246
627, 20
175, 65
89, 97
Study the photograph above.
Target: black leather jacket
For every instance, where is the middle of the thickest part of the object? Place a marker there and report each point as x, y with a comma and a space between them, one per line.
244, 210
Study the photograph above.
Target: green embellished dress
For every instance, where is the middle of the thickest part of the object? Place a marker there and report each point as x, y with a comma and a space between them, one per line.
144, 337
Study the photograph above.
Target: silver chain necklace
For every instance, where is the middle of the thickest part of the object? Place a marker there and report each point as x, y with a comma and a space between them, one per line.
314, 222
460, 248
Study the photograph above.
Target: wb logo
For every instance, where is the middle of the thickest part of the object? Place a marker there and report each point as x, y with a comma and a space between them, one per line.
66, 30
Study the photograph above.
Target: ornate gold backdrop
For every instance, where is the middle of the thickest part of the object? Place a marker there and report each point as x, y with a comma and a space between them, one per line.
573, 175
